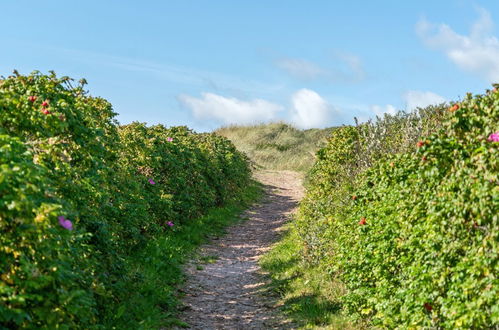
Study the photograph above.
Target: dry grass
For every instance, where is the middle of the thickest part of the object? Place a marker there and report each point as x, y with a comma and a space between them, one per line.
277, 146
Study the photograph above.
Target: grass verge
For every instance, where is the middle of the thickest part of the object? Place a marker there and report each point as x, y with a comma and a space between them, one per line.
307, 294
159, 265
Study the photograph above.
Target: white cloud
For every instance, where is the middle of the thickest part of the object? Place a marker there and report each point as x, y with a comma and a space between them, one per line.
300, 68
477, 53
229, 110
381, 110
309, 109
415, 99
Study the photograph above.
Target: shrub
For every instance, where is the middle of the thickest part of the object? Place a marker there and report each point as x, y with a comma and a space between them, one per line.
42, 264
348, 153
118, 185
413, 236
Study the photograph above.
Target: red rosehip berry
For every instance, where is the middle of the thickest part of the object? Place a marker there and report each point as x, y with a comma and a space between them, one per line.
423, 158
420, 144
354, 197
32, 98
428, 307
455, 107
46, 111
362, 221
45, 103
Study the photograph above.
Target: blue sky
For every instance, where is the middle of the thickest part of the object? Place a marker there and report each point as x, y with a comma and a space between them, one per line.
205, 64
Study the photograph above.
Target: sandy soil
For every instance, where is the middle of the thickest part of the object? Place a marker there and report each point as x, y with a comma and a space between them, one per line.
226, 293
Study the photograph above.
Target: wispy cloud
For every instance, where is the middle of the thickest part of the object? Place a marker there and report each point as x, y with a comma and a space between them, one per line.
301, 68
477, 53
230, 110
342, 68
354, 67
175, 73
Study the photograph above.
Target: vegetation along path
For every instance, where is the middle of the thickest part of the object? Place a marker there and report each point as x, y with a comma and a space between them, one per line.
224, 292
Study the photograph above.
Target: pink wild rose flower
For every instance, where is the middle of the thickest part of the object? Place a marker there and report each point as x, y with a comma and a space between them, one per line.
169, 139
169, 223
66, 223
151, 181
494, 137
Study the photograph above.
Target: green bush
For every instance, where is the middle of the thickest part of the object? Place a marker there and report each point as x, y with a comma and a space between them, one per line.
42, 275
348, 153
121, 188
413, 232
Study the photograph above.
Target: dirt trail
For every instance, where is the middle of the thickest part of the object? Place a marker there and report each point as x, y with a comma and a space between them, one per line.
226, 294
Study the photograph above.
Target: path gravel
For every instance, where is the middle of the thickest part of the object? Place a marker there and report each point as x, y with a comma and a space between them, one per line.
227, 294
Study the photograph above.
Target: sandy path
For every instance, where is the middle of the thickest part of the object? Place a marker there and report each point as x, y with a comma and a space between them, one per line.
225, 294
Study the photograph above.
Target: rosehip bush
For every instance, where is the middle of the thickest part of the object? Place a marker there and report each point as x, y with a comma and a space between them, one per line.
76, 144
43, 280
418, 245
89, 194
349, 152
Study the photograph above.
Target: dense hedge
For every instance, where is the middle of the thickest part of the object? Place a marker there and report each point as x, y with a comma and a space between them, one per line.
410, 224
79, 194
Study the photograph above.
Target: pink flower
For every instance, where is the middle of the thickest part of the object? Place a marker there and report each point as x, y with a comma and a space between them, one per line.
494, 137
65, 223
169, 139
169, 223
151, 181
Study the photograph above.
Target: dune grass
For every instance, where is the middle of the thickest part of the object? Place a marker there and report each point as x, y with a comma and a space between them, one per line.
277, 146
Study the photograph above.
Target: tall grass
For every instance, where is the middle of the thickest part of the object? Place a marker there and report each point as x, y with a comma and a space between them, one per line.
277, 146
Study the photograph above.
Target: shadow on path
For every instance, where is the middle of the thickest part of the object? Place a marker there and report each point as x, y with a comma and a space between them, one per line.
226, 294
